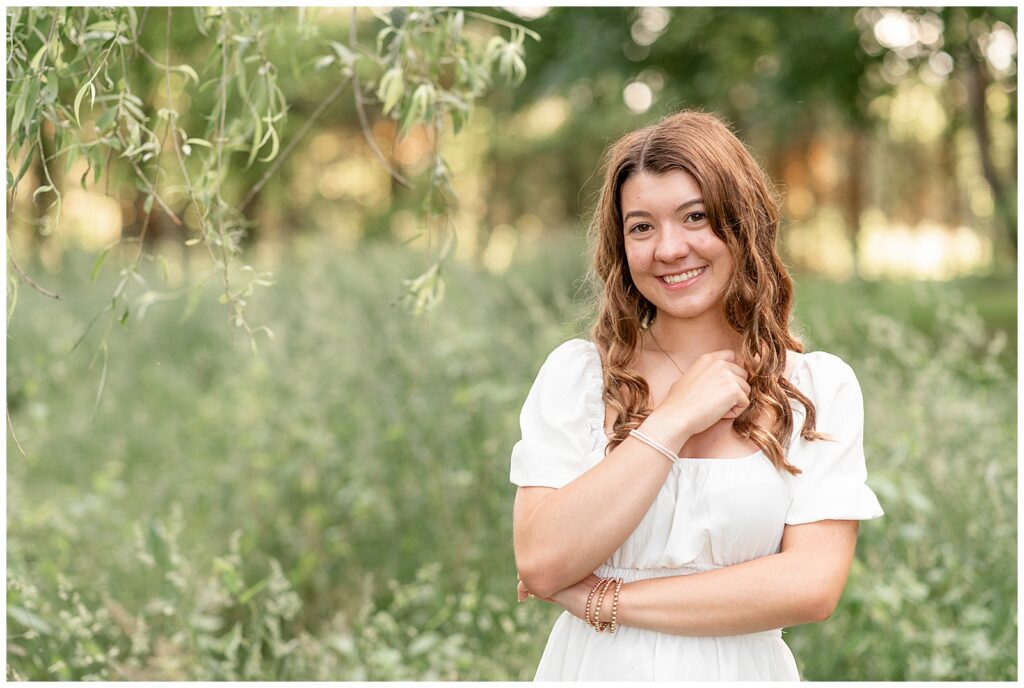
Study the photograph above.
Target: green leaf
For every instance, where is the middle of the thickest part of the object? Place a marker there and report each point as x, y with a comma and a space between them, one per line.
98, 263
408, 119
346, 56
458, 120
109, 25
455, 23
251, 592
28, 619
147, 205
391, 89
275, 144
38, 57
41, 190
70, 157
50, 92
87, 87
134, 110
12, 301
106, 120
242, 81
257, 138
188, 71
103, 381
192, 303
25, 101
29, 156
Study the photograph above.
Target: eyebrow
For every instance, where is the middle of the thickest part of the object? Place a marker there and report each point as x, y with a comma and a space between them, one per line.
644, 213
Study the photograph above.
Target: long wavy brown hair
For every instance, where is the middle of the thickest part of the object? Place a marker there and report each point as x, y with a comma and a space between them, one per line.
743, 209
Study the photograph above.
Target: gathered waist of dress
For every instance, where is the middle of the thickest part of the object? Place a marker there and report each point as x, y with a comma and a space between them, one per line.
632, 575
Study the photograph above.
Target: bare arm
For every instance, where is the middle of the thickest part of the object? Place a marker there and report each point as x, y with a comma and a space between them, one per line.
801, 584
561, 535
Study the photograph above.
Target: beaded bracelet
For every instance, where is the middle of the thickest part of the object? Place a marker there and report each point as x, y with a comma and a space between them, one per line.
598, 624
592, 617
590, 597
615, 606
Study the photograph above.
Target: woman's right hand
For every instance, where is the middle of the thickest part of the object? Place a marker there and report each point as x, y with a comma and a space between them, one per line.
713, 388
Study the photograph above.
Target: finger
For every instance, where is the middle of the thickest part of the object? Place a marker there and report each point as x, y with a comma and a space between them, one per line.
734, 412
738, 370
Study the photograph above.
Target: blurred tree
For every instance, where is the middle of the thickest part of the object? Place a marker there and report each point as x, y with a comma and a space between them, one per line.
795, 82
182, 114
185, 111
970, 33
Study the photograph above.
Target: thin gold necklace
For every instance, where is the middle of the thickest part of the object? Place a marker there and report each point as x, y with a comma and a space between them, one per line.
655, 340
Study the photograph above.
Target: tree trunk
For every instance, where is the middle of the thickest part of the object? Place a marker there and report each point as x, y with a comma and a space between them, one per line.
977, 82
853, 203
952, 207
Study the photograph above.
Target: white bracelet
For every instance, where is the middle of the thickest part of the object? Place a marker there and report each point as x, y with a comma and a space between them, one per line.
654, 444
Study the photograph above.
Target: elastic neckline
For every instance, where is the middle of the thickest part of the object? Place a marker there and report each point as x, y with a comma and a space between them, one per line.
724, 458
599, 420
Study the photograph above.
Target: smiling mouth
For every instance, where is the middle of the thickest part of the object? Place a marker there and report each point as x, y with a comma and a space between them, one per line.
683, 276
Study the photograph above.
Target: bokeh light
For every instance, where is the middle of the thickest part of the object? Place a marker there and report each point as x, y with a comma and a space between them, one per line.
638, 97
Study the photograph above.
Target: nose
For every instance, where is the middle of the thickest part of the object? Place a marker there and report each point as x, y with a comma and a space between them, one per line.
672, 245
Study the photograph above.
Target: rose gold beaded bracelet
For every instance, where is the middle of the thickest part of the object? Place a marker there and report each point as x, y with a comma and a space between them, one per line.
590, 597
598, 624
615, 606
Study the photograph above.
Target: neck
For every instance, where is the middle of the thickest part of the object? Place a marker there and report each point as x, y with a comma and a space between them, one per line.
686, 341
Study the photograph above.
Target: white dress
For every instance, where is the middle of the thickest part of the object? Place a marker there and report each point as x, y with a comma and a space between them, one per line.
709, 513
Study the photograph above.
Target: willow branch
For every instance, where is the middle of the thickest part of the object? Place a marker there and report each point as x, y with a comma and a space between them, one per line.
10, 246
10, 424
367, 134
501, 22
306, 126
149, 186
28, 280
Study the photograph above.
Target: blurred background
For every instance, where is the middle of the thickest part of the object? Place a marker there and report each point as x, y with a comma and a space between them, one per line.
334, 503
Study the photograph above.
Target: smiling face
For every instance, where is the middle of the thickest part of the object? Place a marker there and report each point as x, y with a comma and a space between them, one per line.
667, 237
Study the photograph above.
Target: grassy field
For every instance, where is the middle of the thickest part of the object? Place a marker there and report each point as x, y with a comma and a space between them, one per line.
338, 506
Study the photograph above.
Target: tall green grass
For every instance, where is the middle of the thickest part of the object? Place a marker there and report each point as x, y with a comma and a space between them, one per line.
338, 506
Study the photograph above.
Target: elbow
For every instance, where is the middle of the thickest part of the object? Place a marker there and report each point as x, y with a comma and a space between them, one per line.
537, 580
538, 571
820, 607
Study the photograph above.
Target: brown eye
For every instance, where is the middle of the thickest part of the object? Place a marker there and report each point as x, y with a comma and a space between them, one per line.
701, 216
639, 227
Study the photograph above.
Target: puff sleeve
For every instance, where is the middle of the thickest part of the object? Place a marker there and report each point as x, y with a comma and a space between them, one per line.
833, 483
562, 419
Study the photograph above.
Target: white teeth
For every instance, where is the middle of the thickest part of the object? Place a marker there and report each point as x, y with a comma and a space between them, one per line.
673, 279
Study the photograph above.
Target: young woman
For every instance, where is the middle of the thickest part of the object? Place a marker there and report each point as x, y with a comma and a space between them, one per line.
689, 482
